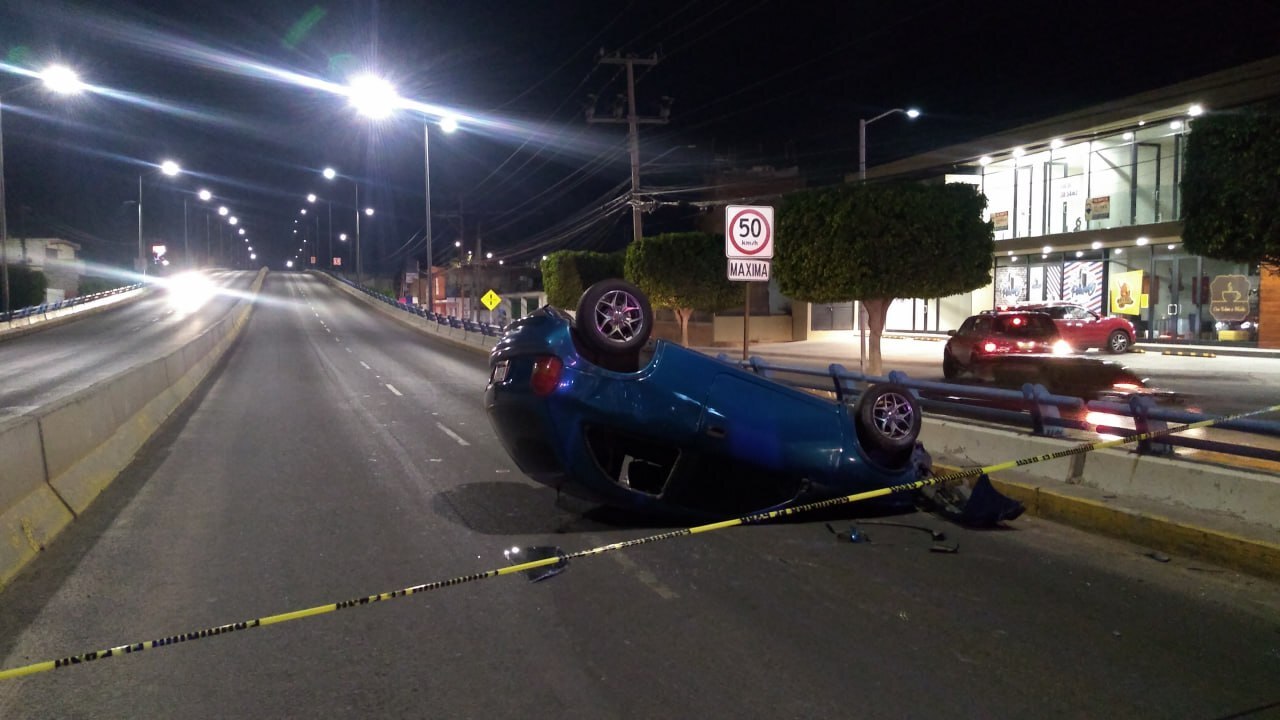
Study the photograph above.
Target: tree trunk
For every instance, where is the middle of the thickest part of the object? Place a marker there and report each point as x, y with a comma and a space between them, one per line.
683, 315
877, 310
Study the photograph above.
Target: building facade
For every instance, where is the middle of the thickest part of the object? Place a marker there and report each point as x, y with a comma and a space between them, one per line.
1086, 208
58, 259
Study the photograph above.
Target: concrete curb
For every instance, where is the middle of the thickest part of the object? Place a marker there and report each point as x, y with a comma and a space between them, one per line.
59, 459
1175, 537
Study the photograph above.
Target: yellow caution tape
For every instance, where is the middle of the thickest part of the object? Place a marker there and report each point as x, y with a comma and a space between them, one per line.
545, 562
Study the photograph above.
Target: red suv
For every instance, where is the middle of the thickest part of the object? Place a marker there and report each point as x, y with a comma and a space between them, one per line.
1084, 329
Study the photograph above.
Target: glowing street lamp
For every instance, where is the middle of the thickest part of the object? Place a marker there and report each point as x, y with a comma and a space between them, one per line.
331, 174
167, 167
372, 96
57, 79
223, 211
911, 113
311, 198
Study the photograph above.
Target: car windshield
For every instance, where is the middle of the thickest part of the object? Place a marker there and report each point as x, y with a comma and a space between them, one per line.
1029, 325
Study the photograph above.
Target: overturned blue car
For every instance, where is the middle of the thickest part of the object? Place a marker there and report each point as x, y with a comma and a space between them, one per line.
682, 434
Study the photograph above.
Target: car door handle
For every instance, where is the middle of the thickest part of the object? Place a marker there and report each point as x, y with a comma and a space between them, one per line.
716, 431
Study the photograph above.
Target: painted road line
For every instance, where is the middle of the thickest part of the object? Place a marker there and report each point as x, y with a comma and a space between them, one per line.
366, 367
393, 389
452, 434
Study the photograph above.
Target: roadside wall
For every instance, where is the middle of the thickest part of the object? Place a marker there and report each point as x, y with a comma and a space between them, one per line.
58, 459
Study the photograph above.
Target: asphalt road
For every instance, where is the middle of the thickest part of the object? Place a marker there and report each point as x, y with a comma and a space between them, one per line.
41, 367
336, 454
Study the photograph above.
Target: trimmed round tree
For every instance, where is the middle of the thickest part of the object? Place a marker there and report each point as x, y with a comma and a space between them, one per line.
878, 242
683, 272
1230, 186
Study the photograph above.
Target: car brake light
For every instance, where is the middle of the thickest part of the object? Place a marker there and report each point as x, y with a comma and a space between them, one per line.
546, 375
989, 346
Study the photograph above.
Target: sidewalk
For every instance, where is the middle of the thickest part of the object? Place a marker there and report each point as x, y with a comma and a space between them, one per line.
1180, 532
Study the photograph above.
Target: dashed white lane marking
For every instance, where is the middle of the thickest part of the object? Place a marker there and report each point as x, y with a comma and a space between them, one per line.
452, 434
347, 349
647, 578
393, 389
366, 367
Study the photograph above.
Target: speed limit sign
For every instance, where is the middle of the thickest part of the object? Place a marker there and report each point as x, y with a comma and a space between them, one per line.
748, 232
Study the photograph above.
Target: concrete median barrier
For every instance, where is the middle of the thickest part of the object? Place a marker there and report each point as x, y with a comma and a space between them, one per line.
31, 513
1205, 511
60, 458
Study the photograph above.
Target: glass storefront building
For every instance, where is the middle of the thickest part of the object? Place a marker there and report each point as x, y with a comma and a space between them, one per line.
1085, 208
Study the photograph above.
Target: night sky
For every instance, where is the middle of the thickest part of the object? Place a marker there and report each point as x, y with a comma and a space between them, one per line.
752, 81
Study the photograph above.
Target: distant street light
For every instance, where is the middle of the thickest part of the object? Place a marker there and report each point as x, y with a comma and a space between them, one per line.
311, 198
241, 231
862, 136
331, 174
223, 211
58, 79
170, 168
233, 220
368, 211
205, 195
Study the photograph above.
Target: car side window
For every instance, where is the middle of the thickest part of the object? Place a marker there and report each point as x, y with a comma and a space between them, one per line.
1079, 313
967, 327
1058, 313
982, 326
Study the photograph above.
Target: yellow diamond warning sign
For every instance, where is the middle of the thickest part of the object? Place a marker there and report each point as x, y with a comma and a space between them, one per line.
491, 300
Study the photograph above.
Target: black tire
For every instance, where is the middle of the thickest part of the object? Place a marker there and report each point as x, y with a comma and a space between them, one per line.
888, 418
1118, 342
614, 317
950, 366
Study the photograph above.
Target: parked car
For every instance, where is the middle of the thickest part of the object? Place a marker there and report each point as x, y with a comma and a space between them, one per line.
684, 434
1084, 329
995, 342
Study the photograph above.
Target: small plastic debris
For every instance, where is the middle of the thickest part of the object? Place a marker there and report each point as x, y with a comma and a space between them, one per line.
1115, 633
1158, 556
853, 534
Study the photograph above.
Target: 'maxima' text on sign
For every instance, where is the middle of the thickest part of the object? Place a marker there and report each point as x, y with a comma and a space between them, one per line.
749, 270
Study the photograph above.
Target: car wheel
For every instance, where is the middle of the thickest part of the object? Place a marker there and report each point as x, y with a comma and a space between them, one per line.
889, 417
1118, 342
614, 317
950, 366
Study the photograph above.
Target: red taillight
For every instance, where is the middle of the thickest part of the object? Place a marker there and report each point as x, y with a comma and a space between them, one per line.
989, 346
546, 375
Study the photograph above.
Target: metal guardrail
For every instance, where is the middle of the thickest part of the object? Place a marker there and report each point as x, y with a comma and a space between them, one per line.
1032, 407
27, 312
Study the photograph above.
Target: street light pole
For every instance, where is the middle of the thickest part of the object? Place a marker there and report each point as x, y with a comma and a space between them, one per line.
186, 242
426, 173
4, 230
860, 309
359, 266
141, 262
862, 136
58, 79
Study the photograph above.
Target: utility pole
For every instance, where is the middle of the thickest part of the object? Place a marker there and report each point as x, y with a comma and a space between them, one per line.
633, 121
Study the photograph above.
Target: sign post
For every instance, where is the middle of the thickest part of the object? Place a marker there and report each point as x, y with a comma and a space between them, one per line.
748, 246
